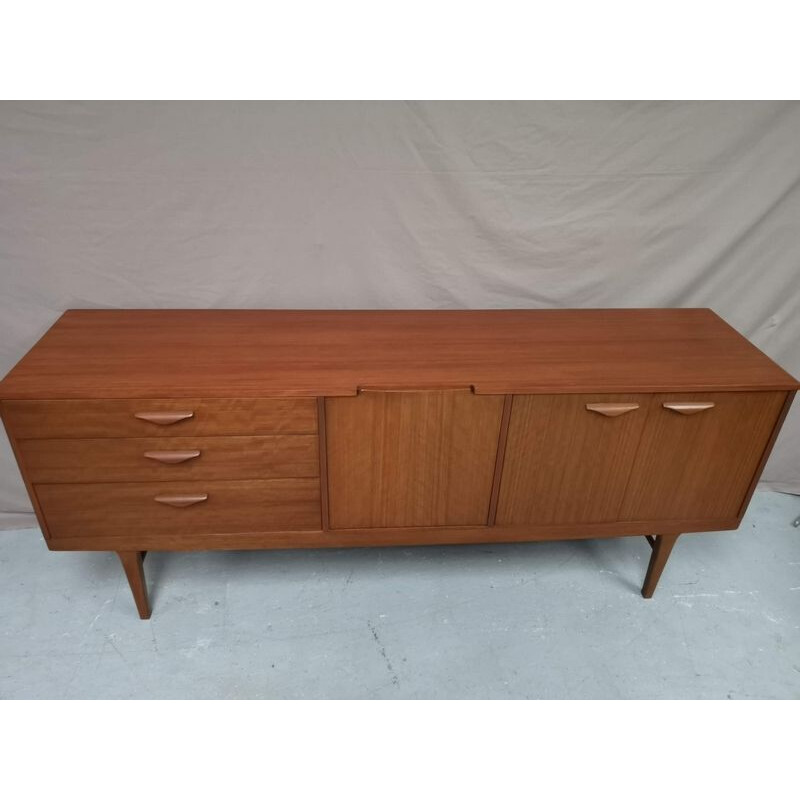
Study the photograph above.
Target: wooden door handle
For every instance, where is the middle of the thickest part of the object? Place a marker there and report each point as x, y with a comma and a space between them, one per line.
410, 389
163, 417
171, 456
688, 408
180, 500
611, 409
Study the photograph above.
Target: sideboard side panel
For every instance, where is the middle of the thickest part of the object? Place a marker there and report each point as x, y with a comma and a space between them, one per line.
767, 451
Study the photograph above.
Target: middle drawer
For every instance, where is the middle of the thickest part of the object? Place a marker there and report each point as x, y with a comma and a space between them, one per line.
170, 459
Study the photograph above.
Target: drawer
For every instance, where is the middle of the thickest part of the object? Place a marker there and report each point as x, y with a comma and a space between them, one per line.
170, 458
109, 509
89, 419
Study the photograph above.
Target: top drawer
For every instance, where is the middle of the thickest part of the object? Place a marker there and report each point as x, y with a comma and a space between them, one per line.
75, 419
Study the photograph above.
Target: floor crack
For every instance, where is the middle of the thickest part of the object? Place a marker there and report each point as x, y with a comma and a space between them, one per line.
382, 651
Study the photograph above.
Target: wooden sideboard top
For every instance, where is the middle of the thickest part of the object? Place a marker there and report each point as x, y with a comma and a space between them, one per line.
249, 353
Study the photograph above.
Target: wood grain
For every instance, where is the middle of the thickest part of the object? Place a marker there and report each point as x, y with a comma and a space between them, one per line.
88, 419
500, 460
104, 510
565, 463
253, 353
421, 458
323, 463
121, 460
700, 465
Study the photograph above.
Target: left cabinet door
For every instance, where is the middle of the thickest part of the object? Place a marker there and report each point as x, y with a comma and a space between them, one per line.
405, 459
568, 457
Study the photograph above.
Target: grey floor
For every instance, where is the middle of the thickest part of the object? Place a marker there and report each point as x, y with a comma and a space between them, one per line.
544, 620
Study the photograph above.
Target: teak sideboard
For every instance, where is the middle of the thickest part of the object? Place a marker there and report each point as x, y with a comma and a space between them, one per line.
197, 430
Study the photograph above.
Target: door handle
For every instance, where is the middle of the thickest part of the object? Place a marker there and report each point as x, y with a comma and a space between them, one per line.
180, 500
611, 409
171, 456
163, 417
411, 389
688, 408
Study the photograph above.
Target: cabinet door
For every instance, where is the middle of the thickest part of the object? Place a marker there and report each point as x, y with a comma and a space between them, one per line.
568, 457
398, 459
699, 453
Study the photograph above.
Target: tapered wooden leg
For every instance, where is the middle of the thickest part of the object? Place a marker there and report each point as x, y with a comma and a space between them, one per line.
662, 546
132, 564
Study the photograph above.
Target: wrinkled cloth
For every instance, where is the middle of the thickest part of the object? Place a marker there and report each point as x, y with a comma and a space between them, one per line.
402, 205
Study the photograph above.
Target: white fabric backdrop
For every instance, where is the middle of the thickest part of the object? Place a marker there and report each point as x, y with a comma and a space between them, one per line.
402, 205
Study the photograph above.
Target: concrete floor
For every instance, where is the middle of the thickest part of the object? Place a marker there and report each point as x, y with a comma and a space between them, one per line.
545, 620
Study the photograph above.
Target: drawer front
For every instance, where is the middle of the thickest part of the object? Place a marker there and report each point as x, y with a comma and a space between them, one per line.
89, 419
170, 459
109, 509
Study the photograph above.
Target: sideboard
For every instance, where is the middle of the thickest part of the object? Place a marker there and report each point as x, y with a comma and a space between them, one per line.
147, 430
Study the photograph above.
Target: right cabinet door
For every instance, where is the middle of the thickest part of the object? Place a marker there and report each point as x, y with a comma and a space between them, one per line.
698, 454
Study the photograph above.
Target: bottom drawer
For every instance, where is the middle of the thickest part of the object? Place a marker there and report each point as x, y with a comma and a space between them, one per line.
109, 509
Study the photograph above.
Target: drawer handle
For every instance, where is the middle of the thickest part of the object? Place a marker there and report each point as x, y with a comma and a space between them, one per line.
688, 408
171, 456
180, 500
412, 389
611, 409
164, 417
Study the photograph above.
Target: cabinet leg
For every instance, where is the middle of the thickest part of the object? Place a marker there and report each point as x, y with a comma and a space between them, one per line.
132, 564
662, 546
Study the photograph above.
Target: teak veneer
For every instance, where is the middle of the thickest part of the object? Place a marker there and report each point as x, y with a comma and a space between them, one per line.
184, 430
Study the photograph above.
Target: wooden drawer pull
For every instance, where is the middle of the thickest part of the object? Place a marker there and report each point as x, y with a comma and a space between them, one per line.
412, 389
171, 456
688, 408
611, 409
180, 500
164, 417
